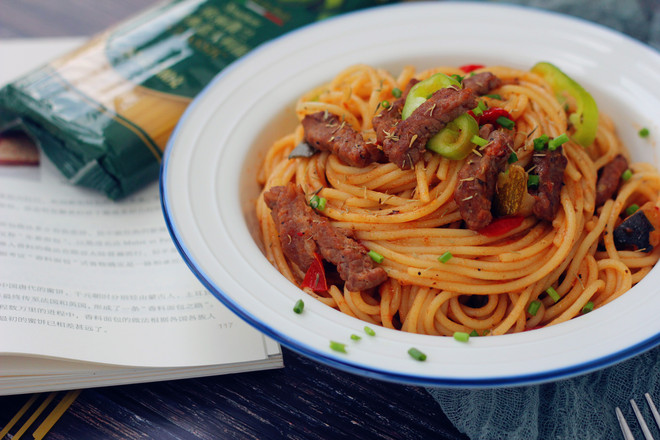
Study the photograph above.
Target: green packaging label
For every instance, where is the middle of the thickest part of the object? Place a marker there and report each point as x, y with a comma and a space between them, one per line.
103, 114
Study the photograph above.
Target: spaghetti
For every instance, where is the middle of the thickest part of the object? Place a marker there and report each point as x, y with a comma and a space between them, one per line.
442, 277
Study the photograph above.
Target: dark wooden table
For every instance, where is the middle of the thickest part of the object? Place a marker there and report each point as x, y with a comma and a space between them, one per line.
304, 400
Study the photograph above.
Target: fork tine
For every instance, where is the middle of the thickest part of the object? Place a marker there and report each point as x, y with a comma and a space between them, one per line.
654, 410
625, 429
640, 420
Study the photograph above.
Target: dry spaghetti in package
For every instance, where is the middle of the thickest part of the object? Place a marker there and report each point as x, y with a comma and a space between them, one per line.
103, 113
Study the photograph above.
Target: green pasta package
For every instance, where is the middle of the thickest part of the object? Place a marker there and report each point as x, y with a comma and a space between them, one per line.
103, 113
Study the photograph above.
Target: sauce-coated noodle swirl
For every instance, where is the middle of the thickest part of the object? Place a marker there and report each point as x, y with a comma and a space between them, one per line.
410, 218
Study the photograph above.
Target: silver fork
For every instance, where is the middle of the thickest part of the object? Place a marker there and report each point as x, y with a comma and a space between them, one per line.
627, 434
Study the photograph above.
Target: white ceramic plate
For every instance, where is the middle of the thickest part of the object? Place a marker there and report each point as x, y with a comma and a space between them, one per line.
208, 183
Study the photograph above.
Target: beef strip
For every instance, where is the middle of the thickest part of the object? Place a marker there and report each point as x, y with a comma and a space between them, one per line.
610, 177
385, 121
485, 130
408, 141
293, 221
478, 179
302, 232
549, 166
325, 131
481, 83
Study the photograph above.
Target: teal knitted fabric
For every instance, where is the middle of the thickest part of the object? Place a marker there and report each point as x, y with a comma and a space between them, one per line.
581, 407
570, 409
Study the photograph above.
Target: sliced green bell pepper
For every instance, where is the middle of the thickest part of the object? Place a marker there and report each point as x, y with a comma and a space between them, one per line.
585, 117
454, 140
423, 90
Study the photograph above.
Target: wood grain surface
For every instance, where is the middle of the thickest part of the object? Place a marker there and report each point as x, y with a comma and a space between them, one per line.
305, 400
64, 18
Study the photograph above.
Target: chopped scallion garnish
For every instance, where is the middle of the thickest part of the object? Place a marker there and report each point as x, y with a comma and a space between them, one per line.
505, 122
355, 337
588, 307
338, 346
445, 257
378, 258
627, 174
479, 109
644, 132
474, 333
494, 96
553, 144
478, 140
396, 92
513, 158
299, 306
540, 142
317, 202
534, 307
385, 104
458, 78
368, 330
416, 354
532, 180
630, 210
552, 293
461, 336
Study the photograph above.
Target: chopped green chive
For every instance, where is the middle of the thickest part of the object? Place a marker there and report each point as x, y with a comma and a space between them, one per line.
513, 158
317, 202
461, 336
378, 258
478, 140
385, 104
552, 293
445, 257
644, 132
479, 109
540, 142
505, 122
487, 331
368, 330
494, 96
630, 210
299, 306
534, 307
588, 307
627, 174
396, 92
355, 337
553, 144
532, 180
474, 333
338, 346
416, 354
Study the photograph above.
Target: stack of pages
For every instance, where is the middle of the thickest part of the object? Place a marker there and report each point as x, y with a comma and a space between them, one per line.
93, 292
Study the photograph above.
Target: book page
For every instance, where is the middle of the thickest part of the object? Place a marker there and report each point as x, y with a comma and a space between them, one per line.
86, 278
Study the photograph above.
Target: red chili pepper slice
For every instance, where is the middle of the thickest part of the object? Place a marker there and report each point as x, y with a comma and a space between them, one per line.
490, 115
502, 225
470, 67
315, 276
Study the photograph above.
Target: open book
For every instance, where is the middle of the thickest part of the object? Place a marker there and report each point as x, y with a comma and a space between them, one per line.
93, 292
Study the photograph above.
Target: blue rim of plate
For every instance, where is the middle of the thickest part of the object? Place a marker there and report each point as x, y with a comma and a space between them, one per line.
348, 366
